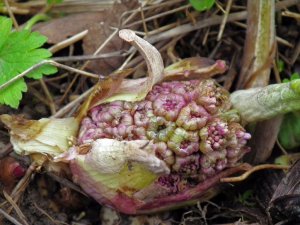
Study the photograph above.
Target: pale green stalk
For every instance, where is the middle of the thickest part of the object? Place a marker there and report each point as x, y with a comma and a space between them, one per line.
259, 104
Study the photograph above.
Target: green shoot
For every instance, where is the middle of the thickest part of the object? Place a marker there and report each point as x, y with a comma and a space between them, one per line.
246, 198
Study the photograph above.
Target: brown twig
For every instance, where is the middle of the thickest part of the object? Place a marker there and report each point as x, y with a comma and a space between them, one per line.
38, 95
50, 79
67, 42
48, 96
6, 150
15, 10
11, 15
89, 57
72, 104
66, 182
214, 20
143, 20
158, 16
291, 14
22, 184
296, 53
227, 10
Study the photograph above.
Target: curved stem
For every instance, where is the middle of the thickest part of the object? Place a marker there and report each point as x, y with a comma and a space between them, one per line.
245, 175
35, 19
151, 55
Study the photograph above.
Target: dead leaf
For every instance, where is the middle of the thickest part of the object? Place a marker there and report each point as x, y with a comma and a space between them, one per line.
59, 29
99, 32
263, 139
284, 204
194, 68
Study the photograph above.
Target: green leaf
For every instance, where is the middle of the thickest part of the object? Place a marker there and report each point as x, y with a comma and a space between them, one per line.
295, 76
295, 85
201, 5
285, 80
20, 50
246, 198
289, 134
5, 25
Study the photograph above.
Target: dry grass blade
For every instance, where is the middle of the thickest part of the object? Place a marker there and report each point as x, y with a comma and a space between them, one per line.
16, 208
88, 57
296, 53
6, 150
49, 97
291, 14
179, 30
157, 16
11, 14
66, 183
48, 216
68, 42
10, 218
23, 183
228, 6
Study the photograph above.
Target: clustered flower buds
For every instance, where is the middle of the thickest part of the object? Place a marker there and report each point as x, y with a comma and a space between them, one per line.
187, 123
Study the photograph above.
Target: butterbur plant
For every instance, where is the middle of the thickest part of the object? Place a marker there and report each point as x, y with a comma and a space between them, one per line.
157, 142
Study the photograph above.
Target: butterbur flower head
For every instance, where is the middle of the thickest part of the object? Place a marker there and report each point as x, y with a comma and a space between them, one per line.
184, 134
157, 151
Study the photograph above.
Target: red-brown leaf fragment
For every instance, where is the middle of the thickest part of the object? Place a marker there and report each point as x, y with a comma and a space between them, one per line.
11, 171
